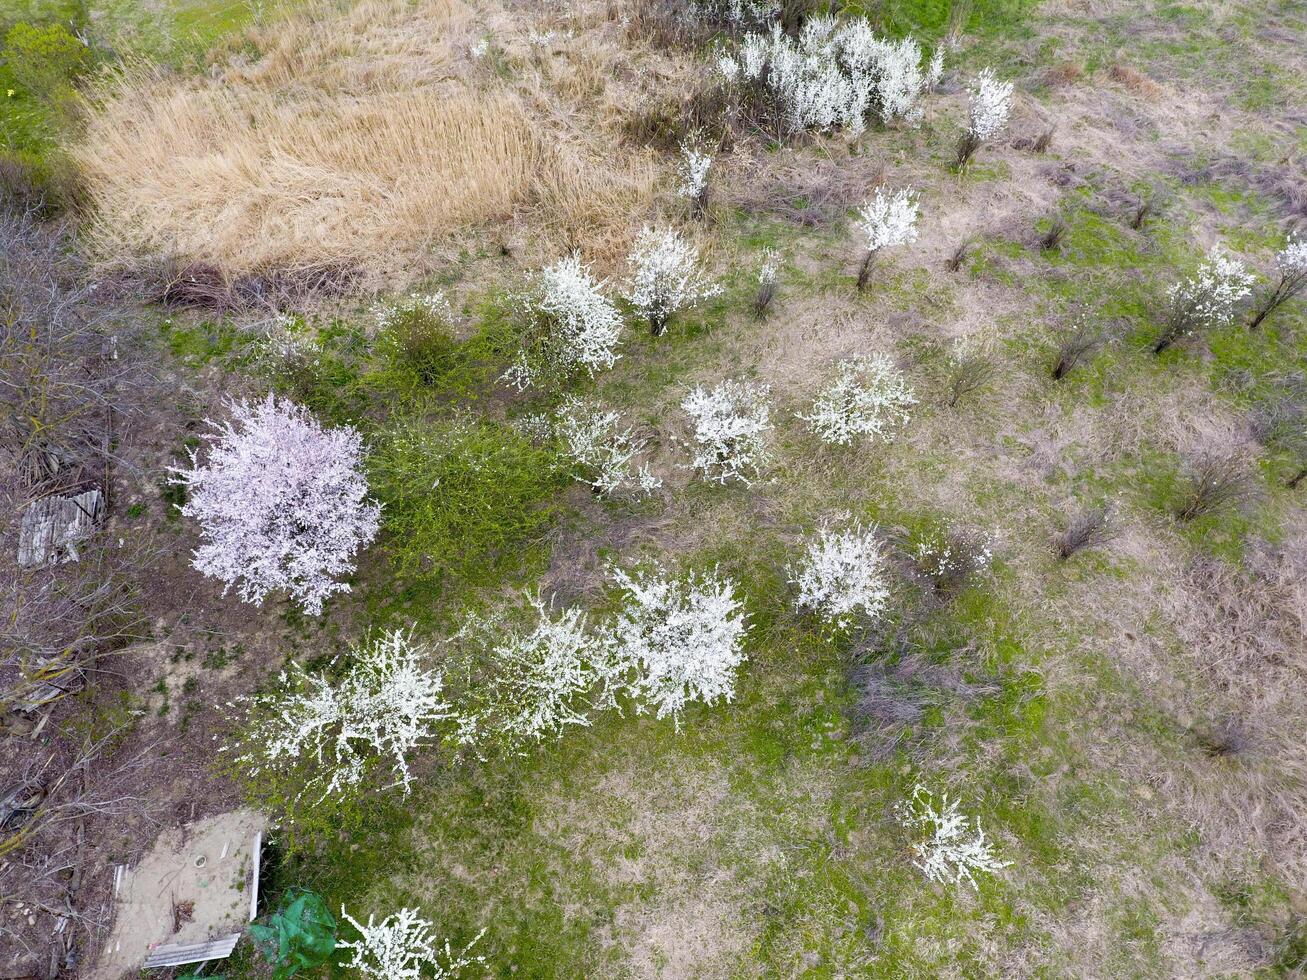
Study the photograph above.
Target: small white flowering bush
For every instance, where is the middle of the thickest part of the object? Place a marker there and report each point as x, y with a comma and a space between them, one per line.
605, 454
433, 305
682, 640
948, 559
731, 422
843, 575
991, 104
693, 173
951, 847
1291, 270
665, 277
540, 677
1205, 300
836, 74
387, 705
569, 326
403, 946
868, 399
281, 501
886, 221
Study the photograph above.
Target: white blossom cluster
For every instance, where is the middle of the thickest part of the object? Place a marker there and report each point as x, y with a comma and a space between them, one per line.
665, 277
1291, 260
835, 74
282, 503
387, 705
868, 398
604, 452
683, 639
693, 173
286, 340
1208, 298
737, 13
950, 851
843, 575
543, 679
731, 422
769, 269
889, 220
991, 104
573, 325
434, 305
403, 946
935, 70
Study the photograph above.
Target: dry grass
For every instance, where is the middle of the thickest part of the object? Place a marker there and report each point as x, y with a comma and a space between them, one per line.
363, 139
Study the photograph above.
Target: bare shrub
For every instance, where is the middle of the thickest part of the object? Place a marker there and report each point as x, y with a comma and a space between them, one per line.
811, 194
1076, 343
1064, 73
1213, 484
954, 262
1227, 737
1134, 80
1088, 528
896, 685
1140, 212
1044, 140
1051, 239
971, 368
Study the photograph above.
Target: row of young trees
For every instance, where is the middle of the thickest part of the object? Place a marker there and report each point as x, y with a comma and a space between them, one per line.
283, 503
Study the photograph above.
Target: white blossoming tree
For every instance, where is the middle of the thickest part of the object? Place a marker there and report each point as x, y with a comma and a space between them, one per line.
886, 221
731, 422
604, 453
1291, 280
681, 639
281, 501
948, 850
991, 104
868, 399
835, 74
843, 576
1205, 300
693, 174
387, 705
538, 672
665, 277
403, 946
569, 326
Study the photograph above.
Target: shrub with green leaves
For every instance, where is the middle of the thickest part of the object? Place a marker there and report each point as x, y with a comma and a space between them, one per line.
45, 60
460, 498
417, 338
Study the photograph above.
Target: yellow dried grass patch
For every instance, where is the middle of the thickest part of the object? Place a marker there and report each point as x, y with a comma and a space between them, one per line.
351, 142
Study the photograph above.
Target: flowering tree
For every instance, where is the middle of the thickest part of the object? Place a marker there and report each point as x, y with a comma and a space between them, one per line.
538, 679
683, 640
1204, 300
282, 503
604, 454
886, 221
403, 946
949, 851
731, 422
843, 575
665, 277
836, 74
693, 174
868, 399
991, 104
386, 706
569, 326
1291, 269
